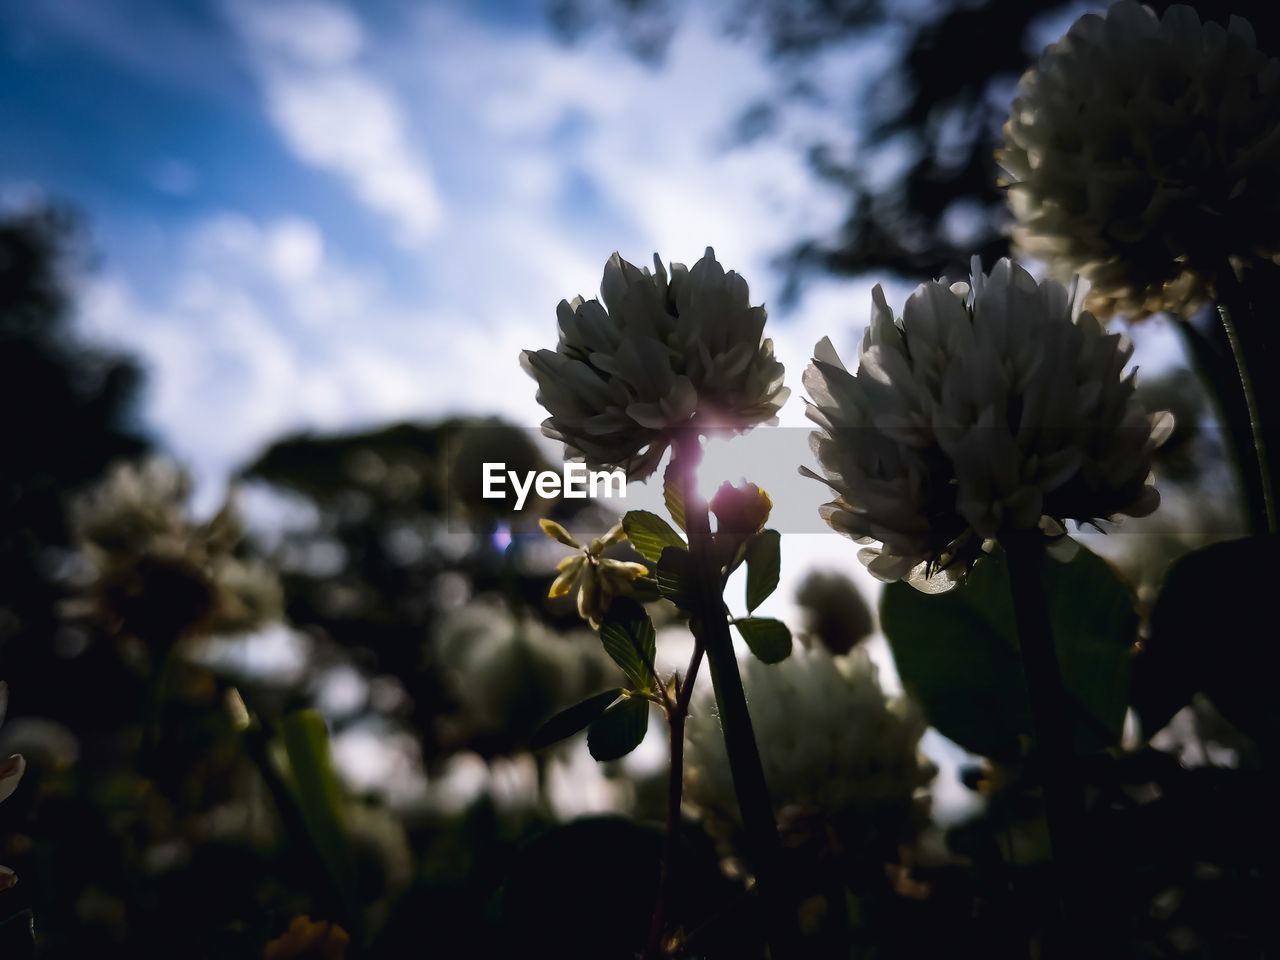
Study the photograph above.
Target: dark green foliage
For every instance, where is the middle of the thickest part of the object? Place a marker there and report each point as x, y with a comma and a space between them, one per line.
769, 640
319, 798
650, 534
764, 560
672, 497
958, 652
1212, 632
628, 637
676, 578
568, 722
619, 730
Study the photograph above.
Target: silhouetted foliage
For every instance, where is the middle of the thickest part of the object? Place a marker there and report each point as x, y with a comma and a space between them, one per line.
933, 119
69, 411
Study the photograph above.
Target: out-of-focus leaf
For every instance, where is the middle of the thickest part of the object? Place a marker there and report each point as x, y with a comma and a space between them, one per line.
650, 534
957, 652
619, 730
628, 637
672, 497
568, 722
1212, 631
769, 640
764, 559
676, 578
645, 590
319, 796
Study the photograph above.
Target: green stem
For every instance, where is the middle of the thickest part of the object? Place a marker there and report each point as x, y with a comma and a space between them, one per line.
731, 701
1051, 719
677, 712
1234, 308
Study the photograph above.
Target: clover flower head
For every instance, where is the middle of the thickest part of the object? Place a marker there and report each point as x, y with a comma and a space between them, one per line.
505, 675
158, 574
597, 578
990, 407
659, 355
1142, 151
833, 747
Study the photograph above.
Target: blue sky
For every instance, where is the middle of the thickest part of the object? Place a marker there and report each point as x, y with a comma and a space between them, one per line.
315, 214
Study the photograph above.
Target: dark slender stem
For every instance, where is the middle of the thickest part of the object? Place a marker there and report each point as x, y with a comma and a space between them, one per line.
731, 701
1209, 353
1234, 309
1051, 717
690, 675
676, 713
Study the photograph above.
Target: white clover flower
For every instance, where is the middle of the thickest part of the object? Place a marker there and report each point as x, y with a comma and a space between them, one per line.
1142, 151
990, 407
656, 357
507, 675
834, 749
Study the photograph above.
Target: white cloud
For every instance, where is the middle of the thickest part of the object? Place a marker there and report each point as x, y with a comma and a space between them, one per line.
334, 114
649, 142
263, 328
263, 331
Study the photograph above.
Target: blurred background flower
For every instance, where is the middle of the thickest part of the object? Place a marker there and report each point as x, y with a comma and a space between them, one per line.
842, 760
1142, 152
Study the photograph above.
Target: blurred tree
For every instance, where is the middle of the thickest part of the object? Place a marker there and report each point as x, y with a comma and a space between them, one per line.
69, 411
922, 181
401, 536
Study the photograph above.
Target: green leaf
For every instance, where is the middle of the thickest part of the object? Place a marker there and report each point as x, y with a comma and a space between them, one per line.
650, 534
319, 797
568, 722
619, 730
1212, 632
645, 590
628, 637
676, 579
769, 640
764, 558
671, 495
957, 652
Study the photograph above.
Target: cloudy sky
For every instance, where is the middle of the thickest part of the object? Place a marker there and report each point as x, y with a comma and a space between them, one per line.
317, 214
311, 214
